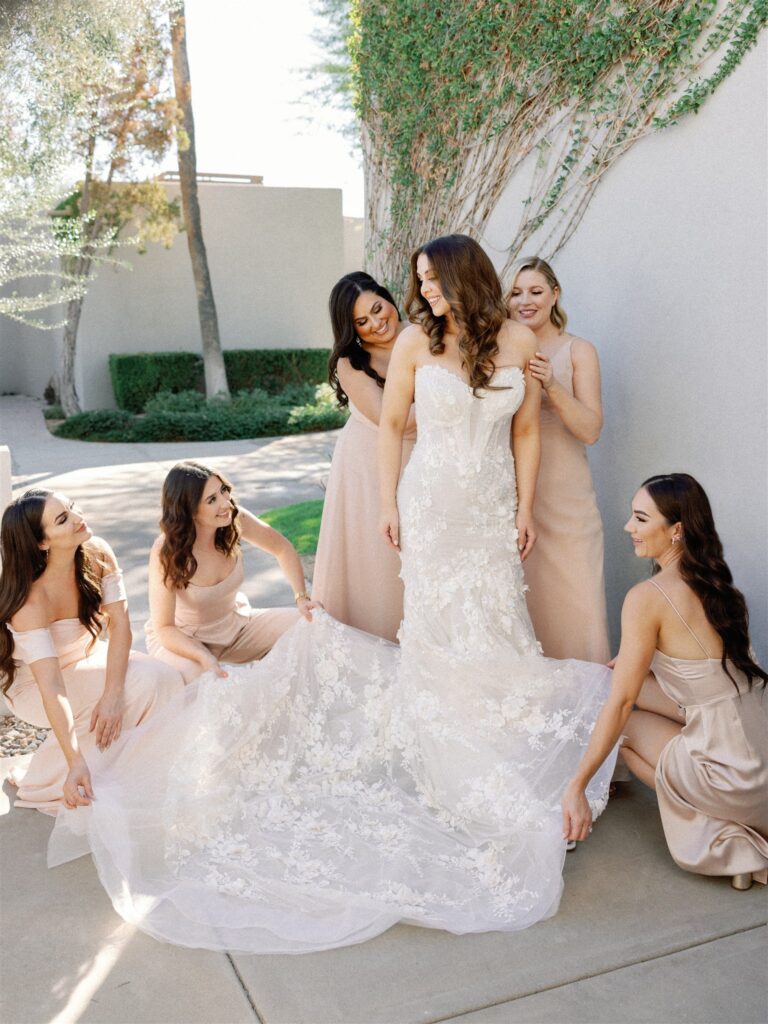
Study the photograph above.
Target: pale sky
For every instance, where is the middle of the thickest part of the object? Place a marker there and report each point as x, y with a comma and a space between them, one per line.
248, 94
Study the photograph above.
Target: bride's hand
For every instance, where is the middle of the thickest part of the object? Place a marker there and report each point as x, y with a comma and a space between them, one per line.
389, 527
526, 534
577, 816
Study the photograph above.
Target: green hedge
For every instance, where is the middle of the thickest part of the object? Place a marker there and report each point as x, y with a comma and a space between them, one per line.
188, 416
137, 378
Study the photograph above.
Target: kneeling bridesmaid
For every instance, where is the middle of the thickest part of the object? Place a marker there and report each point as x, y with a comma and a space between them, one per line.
59, 587
699, 732
199, 618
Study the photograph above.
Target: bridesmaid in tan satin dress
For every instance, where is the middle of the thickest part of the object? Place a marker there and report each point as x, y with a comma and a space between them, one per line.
564, 572
199, 618
699, 733
357, 576
60, 587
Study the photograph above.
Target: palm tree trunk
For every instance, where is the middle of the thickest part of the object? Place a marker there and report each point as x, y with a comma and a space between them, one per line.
213, 359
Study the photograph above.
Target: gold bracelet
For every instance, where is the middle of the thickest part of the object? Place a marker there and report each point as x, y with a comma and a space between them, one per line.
301, 594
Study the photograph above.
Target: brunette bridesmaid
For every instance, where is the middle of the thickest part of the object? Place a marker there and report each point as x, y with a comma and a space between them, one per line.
356, 575
564, 573
65, 647
699, 732
199, 618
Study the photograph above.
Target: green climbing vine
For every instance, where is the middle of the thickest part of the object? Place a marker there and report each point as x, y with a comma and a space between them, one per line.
453, 96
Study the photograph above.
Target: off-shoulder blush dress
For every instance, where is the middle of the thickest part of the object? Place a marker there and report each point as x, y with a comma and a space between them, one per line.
564, 572
357, 574
712, 779
148, 685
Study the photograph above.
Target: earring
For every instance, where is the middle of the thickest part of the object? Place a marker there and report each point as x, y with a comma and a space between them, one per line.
358, 342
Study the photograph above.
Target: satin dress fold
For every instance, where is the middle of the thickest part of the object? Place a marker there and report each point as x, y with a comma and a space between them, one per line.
712, 779
356, 575
564, 572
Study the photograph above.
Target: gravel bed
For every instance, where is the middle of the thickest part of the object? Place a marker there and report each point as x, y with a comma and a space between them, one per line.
17, 737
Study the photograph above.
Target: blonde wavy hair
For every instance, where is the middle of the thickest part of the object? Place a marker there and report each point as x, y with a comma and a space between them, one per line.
557, 313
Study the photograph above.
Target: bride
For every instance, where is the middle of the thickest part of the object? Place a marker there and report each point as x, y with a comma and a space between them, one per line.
342, 784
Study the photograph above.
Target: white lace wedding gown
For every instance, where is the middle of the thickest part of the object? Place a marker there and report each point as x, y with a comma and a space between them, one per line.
314, 798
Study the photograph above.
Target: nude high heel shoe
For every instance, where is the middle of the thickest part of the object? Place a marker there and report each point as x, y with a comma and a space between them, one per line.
744, 881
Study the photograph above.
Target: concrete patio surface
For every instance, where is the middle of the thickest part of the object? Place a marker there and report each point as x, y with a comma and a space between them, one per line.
636, 938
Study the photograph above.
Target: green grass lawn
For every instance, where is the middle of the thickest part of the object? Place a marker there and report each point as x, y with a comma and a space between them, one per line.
300, 523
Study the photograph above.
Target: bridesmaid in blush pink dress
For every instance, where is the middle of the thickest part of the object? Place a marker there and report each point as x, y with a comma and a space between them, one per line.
60, 586
357, 577
564, 573
699, 732
199, 617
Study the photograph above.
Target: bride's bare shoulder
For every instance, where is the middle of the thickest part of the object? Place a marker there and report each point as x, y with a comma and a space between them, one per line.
413, 344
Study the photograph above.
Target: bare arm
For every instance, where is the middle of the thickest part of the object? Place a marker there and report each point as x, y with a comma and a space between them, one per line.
367, 396
263, 536
581, 412
58, 710
398, 399
107, 716
162, 610
640, 622
526, 448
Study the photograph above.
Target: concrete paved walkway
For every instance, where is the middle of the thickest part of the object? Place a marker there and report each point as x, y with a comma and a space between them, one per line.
636, 939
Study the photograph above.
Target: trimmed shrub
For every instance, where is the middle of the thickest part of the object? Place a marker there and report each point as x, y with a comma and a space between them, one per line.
274, 368
321, 414
176, 401
138, 377
187, 416
100, 425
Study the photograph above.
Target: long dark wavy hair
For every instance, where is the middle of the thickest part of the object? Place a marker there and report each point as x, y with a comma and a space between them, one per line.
346, 344
681, 499
471, 287
557, 313
182, 490
23, 562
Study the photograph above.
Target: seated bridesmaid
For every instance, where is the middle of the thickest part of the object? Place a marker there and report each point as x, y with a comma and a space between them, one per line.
59, 586
198, 616
357, 576
699, 733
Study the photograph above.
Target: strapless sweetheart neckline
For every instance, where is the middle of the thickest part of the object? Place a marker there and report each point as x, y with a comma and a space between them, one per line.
444, 369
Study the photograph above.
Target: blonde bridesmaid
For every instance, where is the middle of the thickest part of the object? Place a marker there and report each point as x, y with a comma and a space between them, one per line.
357, 576
199, 618
564, 573
696, 728
65, 648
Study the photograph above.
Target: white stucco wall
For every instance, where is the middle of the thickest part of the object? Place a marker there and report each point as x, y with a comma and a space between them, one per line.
354, 248
28, 355
667, 275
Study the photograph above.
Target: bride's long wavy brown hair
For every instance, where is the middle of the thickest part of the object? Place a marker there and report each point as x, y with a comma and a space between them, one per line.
23, 562
471, 287
182, 492
681, 499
